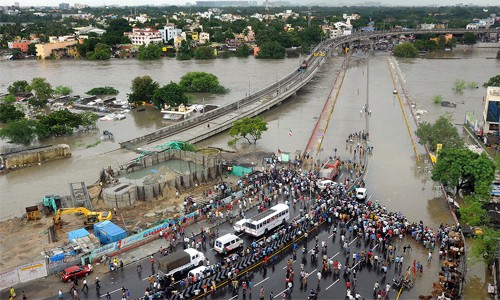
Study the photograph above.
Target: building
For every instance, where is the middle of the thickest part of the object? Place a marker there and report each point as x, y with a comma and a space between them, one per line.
22, 45
491, 114
63, 6
225, 3
57, 49
427, 26
169, 32
145, 36
89, 29
204, 37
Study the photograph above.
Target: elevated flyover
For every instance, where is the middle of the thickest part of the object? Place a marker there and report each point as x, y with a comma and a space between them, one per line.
211, 123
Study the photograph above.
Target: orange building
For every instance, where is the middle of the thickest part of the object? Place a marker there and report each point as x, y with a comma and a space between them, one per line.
22, 45
447, 38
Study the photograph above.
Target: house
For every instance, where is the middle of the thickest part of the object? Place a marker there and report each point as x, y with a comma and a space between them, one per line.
447, 38
427, 26
169, 32
204, 37
22, 45
145, 36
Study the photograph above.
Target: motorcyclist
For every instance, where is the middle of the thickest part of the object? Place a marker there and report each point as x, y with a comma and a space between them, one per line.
312, 294
97, 285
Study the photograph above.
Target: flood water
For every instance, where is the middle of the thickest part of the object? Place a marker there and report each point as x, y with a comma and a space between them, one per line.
393, 176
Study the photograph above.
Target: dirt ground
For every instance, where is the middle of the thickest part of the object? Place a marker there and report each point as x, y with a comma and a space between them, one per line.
23, 241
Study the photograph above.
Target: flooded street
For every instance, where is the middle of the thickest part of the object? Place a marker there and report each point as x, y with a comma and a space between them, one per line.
393, 176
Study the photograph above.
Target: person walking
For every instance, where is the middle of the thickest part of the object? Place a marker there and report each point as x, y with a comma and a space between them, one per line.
262, 293
85, 287
61, 295
319, 277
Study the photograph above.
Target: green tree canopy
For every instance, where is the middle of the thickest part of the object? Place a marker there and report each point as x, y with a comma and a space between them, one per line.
485, 246
201, 82
204, 52
250, 129
43, 90
472, 212
150, 52
9, 99
171, 94
9, 113
143, 89
106, 90
63, 90
406, 50
469, 38
271, 50
185, 52
22, 131
57, 123
20, 86
243, 51
101, 52
463, 169
441, 132
494, 81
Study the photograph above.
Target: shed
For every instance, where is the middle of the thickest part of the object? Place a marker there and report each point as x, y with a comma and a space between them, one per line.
285, 157
76, 234
241, 169
108, 232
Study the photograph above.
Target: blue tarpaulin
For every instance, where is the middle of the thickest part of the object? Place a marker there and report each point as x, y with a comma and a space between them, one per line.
76, 234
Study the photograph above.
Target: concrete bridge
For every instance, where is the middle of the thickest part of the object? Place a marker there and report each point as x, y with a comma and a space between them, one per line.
211, 123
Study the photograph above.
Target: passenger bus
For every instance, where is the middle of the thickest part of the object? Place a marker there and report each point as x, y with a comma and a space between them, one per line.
267, 220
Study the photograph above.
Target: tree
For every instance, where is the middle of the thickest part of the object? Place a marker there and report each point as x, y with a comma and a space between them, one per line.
472, 212
250, 129
20, 86
101, 52
9, 99
63, 90
271, 50
20, 132
459, 85
464, 170
469, 38
441, 132
150, 52
494, 81
243, 51
9, 113
407, 50
485, 246
171, 94
43, 90
184, 52
57, 123
204, 52
143, 89
437, 99
201, 82
88, 119
106, 90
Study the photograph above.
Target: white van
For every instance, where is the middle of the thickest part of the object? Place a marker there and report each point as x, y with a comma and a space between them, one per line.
240, 225
323, 184
227, 243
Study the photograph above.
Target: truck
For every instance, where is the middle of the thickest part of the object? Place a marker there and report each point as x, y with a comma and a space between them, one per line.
179, 263
330, 169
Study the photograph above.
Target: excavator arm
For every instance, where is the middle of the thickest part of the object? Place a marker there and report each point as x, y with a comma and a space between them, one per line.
90, 216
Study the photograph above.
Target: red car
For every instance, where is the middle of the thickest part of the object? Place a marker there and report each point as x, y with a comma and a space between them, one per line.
78, 271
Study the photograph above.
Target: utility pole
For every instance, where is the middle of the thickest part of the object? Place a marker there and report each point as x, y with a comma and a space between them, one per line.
267, 15
309, 17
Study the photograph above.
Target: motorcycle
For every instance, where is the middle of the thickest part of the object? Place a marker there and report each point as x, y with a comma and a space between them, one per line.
400, 282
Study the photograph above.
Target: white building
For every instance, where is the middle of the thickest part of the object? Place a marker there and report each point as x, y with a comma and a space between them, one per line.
491, 114
169, 32
145, 36
472, 26
204, 37
89, 29
427, 26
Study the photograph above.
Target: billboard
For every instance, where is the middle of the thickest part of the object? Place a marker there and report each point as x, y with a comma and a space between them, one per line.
8, 278
32, 271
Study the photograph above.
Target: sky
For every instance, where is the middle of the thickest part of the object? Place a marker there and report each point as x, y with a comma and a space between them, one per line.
302, 2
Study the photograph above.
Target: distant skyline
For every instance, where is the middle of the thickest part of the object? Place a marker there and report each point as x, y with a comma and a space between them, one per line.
293, 2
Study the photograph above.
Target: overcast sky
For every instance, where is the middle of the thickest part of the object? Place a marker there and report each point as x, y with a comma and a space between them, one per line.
183, 2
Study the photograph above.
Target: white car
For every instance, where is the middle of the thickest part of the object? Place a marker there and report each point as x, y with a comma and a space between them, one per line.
361, 193
323, 184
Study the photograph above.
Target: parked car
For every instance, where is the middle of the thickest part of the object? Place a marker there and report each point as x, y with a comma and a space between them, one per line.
71, 272
361, 193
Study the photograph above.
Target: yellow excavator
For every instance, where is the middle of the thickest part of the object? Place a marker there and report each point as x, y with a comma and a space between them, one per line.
91, 217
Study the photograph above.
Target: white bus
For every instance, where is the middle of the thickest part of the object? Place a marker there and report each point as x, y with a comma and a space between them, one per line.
267, 220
